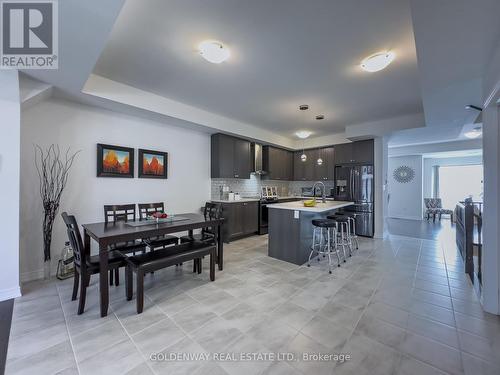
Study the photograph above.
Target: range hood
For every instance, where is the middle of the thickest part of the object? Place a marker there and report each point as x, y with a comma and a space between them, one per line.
257, 159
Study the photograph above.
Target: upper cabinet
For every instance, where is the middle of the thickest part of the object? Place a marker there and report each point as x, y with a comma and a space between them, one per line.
325, 170
355, 152
230, 157
278, 163
310, 170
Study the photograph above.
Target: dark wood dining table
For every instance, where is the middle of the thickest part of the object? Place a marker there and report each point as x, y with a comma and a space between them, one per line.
107, 234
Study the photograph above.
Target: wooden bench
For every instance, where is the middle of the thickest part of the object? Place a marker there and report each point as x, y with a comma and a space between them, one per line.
158, 259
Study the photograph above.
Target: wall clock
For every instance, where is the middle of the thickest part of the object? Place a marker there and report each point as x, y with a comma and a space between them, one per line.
404, 174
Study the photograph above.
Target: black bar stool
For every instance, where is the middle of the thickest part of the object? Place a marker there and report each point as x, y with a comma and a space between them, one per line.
324, 240
343, 233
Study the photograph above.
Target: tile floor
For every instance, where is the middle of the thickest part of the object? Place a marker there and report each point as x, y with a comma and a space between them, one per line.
398, 306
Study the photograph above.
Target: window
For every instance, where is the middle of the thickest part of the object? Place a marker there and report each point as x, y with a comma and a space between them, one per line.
459, 182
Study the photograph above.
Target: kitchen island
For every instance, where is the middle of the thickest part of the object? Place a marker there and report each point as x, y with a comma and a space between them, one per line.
290, 228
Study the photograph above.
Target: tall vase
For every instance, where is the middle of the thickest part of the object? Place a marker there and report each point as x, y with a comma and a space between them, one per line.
46, 270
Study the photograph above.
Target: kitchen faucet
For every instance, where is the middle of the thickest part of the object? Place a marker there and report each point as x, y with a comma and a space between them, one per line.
323, 195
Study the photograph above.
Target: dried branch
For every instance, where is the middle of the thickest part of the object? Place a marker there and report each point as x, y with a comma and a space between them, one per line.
53, 172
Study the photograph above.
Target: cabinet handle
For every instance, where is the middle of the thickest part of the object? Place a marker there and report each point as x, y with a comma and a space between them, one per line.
236, 175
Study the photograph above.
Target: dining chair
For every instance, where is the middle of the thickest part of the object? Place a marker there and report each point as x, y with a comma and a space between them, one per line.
211, 211
147, 209
208, 235
117, 213
86, 265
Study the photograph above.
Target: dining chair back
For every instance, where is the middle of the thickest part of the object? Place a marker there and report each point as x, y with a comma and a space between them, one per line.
75, 239
211, 211
146, 209
123, 212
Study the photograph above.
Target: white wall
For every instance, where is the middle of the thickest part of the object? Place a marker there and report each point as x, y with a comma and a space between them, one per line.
10, 109
82, 127
381, 189
490, 297
405, 200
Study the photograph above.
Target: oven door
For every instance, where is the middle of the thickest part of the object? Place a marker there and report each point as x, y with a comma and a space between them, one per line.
263, 218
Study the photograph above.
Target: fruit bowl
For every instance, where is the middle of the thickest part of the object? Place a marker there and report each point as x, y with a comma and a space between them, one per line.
310, 203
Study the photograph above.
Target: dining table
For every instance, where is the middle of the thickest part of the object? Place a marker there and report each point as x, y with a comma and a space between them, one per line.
107, 234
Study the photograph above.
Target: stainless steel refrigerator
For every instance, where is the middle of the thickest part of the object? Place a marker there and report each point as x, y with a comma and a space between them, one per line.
355, 183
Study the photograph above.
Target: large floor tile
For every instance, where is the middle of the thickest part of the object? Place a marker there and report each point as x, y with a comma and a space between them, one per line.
438, 355
368, 357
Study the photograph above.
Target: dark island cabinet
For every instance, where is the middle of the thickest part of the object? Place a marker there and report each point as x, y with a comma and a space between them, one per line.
230, 157
278, 163
241, 219
355, 152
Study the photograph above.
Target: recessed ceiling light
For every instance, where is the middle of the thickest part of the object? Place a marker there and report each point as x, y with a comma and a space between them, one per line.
320, 117
303, 134
474, 133
213, 51
303, 107
378, 61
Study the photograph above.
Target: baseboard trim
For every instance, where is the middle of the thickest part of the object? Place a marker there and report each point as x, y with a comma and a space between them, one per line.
406, 217
10, 293
32, 275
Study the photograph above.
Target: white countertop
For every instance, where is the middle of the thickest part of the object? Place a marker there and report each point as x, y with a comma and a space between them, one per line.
320, 206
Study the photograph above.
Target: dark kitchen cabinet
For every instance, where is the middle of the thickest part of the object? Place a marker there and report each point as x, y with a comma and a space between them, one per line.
354, 152
310, 170
343, 153
363, 151
230, 157
241, 219
278, 163
325, 171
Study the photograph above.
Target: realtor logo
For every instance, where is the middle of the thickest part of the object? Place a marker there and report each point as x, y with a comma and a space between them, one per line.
29, 37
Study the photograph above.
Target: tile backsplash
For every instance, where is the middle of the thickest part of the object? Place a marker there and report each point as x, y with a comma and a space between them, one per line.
251, 187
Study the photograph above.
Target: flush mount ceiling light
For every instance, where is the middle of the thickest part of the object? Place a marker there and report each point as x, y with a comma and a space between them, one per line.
303, 107
474, 133
378, 61
213, 51
303, 134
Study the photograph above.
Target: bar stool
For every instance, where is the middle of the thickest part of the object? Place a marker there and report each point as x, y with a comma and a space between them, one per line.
343, 233
324, 241
352, 225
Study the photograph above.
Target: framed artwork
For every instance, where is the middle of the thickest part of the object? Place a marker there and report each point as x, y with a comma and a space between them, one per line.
115, 161
153, 164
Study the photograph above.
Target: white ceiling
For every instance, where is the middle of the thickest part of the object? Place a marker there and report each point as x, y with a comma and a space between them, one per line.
284, 53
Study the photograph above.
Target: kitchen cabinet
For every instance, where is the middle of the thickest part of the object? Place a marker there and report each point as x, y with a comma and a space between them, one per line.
363, 151
278, 163
310, 170
230, 157
241, 219
305, 170
355, 152
325, 171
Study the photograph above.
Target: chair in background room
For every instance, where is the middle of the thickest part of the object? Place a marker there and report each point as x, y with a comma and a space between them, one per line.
434, 206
